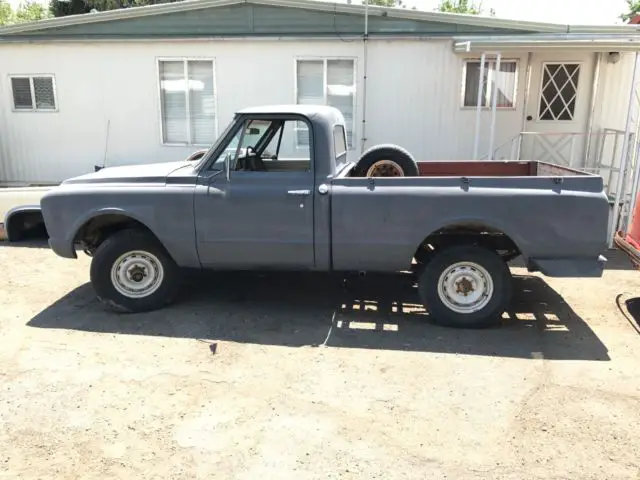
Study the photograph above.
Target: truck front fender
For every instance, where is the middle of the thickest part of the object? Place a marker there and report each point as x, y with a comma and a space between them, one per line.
25, 221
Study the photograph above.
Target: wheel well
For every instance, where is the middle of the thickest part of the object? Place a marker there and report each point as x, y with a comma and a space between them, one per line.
468, 234
26, 225
99, 228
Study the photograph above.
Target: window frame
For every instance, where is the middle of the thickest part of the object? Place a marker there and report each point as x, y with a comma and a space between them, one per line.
185, 61
490, 74
34, 108
325, 60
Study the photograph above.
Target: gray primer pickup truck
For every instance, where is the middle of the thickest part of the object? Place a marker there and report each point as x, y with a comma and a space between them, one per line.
276, 191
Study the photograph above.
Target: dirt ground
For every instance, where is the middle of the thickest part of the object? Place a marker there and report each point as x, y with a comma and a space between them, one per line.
299, 377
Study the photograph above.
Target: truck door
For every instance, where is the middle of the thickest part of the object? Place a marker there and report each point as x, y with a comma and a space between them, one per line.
260, 212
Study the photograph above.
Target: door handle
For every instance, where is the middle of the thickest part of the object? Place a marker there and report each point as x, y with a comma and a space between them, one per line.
299, 193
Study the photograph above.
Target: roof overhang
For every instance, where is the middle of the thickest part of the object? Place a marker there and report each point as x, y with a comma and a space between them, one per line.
573, 41
317, 5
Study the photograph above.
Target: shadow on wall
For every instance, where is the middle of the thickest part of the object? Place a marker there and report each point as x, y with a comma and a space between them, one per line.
373, 312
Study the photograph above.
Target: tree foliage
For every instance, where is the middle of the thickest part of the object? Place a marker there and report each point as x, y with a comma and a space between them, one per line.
634, 9
28, 11
469, 7
382, 3
6, 13
31, 11
61, 8
386, 3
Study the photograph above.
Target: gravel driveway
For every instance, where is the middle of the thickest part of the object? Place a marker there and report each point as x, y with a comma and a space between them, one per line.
300, 377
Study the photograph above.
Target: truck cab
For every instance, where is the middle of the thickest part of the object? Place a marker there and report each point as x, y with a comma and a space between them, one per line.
271, 168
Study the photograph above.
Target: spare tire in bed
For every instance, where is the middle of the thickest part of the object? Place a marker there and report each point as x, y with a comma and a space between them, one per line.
386, 161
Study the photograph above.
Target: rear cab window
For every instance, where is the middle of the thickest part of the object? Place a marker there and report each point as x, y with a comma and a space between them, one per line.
340, 144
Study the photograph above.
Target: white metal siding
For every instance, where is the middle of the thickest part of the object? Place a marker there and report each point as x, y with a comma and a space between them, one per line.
613, 93
117, 83
413, 99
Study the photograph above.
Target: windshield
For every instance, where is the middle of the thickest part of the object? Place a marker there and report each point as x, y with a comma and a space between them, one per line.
205, 157
248, 136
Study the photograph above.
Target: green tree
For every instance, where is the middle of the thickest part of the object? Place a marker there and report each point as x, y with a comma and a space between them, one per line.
382, 3
6, 13
634, 9
462, 6
62, 8
31, 11
386, 3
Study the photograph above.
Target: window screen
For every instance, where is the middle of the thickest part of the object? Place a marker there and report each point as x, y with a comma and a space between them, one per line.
33, 93
188, 106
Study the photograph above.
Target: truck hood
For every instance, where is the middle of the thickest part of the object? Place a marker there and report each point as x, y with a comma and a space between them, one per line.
151, 173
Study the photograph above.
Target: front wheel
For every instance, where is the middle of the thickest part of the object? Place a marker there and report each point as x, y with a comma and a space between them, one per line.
132, 272
466, 287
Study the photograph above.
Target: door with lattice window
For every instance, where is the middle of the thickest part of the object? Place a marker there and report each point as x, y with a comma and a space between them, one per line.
558, 109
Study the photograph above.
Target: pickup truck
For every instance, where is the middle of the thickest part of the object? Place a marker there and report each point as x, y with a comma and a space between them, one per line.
305, 206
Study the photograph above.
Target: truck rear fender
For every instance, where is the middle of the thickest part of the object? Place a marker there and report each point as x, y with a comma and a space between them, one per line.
470, 231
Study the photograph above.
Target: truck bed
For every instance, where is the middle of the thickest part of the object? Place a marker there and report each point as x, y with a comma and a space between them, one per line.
556, 216
493, 168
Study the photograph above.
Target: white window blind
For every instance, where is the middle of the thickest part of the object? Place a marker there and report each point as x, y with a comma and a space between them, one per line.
505, 79
327, 82
188, 107
33, 93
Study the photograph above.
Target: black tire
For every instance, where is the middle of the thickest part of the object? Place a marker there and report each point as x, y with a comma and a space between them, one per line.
396, 154
117, 245
498, 271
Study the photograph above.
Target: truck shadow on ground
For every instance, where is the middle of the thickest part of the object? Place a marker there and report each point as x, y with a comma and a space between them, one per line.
374, 311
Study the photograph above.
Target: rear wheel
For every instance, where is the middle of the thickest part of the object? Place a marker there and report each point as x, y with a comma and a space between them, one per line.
466, 287
132, 272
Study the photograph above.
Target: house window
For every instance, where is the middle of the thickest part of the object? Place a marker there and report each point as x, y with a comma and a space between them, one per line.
35, 93
327, 82
505, 79
187, 102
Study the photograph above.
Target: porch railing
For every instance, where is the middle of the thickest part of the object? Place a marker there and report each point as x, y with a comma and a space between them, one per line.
603, 157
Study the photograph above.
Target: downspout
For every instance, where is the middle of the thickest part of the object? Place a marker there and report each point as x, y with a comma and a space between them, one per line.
494, 107
525, 106
625, 154
365, 40
592, 110
476, 141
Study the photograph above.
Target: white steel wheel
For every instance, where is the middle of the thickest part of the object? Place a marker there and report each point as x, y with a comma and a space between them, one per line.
137, 274
385, 168
465, 287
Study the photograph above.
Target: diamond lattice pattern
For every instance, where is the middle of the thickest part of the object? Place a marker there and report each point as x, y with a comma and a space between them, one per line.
559, 91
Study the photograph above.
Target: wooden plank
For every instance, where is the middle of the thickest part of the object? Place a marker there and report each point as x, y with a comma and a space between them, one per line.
474, 168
